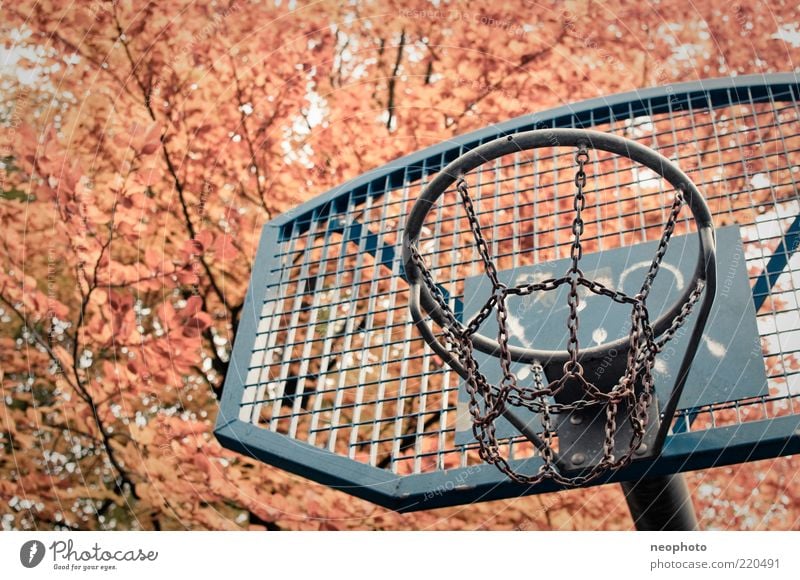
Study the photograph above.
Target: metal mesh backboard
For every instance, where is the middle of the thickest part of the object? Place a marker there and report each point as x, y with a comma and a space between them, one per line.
330, 380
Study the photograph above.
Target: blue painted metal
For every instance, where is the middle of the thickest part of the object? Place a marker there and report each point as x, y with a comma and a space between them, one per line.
683, 451
777, 263
384, 253
589, 113
263, 278
716, 377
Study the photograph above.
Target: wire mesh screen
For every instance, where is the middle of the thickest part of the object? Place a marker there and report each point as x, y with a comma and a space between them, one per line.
336, 362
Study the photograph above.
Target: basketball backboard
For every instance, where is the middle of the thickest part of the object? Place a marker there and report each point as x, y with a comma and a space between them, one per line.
331, 381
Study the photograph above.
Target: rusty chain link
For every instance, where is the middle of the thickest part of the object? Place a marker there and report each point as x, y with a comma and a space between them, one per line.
634, 389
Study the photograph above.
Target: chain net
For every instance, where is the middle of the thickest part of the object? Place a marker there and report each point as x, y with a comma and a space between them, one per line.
634, 390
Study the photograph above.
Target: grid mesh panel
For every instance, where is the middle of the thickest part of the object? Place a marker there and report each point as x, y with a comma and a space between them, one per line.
336, 362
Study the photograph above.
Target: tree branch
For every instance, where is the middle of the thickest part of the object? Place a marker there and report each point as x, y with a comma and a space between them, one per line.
393, 80
526, 59
172, 170
122, 476
248, 139
219, 365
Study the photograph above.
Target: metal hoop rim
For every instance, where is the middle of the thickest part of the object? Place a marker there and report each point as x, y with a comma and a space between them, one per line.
420, 298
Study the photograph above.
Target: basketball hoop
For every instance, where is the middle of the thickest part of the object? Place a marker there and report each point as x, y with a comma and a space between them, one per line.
560, 386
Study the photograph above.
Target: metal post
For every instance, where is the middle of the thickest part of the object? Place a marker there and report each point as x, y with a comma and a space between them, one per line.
660, 503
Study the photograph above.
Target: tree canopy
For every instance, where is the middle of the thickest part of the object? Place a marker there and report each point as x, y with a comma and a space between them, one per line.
145, 144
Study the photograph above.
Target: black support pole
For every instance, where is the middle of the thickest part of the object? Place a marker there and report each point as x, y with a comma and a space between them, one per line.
660, 503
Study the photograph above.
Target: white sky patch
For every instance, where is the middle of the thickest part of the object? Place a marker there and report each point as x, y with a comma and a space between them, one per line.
86, 359
683, 54
640, 126
778, 331
767, 226
760, 181
9, 64
792, 384
415, 52
317, 106
313, 115
344, 61
646, 177
10, 57
788, 33
686, 51
718, 175
787, 321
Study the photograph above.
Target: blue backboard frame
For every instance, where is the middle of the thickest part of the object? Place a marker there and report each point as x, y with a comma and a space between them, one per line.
684, 450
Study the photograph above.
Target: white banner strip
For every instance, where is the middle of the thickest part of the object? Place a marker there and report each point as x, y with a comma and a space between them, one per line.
382, 555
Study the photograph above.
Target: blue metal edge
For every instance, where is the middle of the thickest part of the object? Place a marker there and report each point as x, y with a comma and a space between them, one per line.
338, 472
682, 452
233, 389
370, 483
